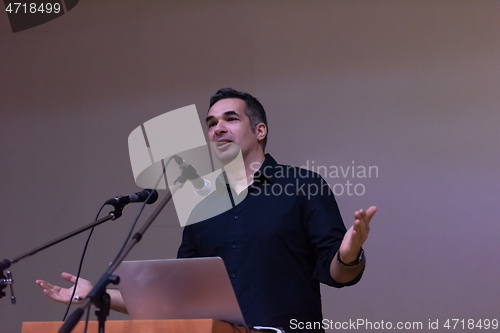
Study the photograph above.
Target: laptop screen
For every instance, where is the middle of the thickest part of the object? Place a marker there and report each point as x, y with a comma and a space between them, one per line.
194, 288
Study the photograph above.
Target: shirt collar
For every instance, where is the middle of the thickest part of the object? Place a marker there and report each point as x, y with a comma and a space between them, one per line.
265, 172
267, 169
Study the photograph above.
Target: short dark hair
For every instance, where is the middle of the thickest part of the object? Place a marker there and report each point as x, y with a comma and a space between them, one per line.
254, 110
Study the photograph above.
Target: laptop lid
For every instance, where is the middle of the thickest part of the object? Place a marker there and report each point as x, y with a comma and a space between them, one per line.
194, 288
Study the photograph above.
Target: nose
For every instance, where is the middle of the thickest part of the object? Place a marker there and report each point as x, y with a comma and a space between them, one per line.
219, 128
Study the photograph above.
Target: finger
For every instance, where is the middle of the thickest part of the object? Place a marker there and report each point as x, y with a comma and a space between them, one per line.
53, 288
49, 287
69, 277
355, 234
41, 284
44, 284
360, 215
366, 224
363, 216
362, 229
49, 292
371, 211
366, 216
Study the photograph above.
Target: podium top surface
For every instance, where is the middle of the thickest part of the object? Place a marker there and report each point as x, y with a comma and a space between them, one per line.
141, 326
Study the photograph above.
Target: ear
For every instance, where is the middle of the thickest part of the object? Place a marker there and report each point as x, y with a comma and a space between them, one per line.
261, 131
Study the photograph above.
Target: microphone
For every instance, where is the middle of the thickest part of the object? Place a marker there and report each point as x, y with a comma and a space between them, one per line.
4, 264
135, 197
201, 186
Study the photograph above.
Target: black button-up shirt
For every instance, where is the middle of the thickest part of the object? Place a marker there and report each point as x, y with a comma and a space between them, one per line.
277, 240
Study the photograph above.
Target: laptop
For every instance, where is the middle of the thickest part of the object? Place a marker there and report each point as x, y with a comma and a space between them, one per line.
194, 288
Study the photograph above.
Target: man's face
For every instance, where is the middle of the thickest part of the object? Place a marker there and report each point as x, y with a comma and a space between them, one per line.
229, 130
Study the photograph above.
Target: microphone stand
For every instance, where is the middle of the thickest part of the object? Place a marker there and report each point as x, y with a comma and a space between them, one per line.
98, 294
4, 264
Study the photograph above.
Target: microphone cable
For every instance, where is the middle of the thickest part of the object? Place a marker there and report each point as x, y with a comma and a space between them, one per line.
81, 263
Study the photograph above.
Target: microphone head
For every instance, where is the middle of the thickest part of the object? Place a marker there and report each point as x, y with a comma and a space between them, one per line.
205, 190
4, 264
179, 160
152, 198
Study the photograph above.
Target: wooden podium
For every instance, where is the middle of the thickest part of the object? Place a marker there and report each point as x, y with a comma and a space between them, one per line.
141, 326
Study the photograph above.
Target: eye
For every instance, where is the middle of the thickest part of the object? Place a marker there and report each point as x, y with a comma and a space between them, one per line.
232, 118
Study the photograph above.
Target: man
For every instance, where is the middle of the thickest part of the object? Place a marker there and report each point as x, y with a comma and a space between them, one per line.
276, 247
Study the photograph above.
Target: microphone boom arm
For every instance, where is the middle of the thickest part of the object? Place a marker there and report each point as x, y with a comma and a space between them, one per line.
4, 264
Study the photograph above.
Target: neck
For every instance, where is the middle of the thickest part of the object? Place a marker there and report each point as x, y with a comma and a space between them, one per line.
241, 170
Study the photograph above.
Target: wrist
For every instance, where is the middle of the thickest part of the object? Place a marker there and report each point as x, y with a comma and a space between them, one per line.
348, 261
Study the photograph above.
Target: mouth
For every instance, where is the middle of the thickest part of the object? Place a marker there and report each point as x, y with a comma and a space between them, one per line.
222, 144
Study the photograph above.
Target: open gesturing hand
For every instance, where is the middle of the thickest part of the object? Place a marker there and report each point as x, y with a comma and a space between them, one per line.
356, 235
63, 295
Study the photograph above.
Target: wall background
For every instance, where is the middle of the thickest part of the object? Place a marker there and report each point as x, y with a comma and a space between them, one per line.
408, 86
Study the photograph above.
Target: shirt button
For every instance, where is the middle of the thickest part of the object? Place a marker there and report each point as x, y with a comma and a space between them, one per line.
236, 217
233, 276
235, 246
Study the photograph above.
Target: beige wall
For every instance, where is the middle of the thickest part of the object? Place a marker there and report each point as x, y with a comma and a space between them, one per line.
408, 86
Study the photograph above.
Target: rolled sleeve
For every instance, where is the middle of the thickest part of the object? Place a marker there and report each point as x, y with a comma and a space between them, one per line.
325, 228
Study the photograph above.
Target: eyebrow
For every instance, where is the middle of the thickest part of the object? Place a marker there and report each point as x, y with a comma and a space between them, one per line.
227, 113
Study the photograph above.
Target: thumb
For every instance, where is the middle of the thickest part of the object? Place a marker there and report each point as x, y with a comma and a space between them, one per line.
69, 277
